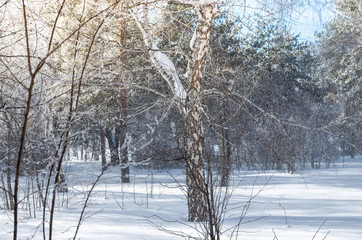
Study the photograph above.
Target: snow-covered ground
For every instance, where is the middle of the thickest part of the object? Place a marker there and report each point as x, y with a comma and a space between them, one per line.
288, 207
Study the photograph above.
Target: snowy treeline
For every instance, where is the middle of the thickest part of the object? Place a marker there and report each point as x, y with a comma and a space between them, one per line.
204, 86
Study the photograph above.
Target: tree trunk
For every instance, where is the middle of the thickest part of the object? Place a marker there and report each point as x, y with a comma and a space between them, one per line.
123, 109
8, 165
225, 144
194, 142
113, 145
190, 101
19, 160
82, 154
225, 158
103, 147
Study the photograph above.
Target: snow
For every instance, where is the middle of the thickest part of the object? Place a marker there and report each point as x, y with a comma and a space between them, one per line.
167, 65
198, 2
160, 60
135, 211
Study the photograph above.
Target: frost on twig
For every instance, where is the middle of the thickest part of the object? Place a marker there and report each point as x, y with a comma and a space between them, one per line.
198, 2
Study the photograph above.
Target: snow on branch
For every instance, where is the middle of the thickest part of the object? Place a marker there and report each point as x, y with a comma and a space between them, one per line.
197, 2
206, 9
167, 65
160, 60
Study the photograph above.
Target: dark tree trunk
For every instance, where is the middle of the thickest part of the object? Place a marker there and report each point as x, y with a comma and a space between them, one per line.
123, 143
123, 110
21, 151
103, 147
225, 144
8, 166
62, 185
113, 145
225, 158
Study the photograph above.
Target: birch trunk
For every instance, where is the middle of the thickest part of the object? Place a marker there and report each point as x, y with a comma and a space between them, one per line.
195, 175
189, 101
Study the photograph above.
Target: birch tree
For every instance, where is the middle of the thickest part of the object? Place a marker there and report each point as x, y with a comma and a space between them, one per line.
188, 96
194, 133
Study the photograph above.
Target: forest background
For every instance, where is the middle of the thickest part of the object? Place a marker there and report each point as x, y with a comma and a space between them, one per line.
207, 86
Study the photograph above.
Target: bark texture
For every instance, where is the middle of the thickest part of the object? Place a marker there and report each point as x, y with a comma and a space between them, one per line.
189, 101
195, 175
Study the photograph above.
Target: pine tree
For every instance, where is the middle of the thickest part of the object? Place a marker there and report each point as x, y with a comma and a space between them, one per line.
340, 51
